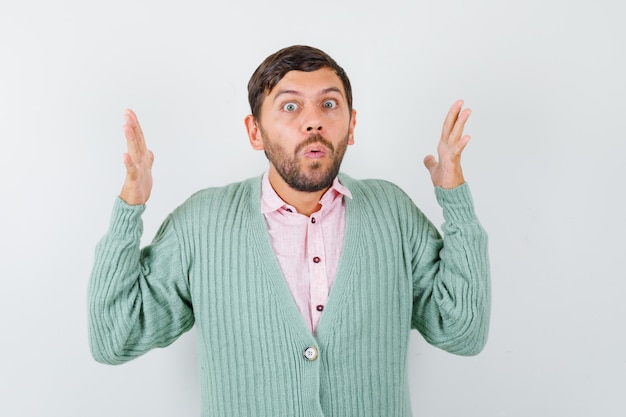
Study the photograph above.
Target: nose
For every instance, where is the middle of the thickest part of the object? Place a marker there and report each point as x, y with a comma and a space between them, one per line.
312, 119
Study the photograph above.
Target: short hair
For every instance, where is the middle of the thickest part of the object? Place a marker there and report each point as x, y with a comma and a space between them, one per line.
292, 58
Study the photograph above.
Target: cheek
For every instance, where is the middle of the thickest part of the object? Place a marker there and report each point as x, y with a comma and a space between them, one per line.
340, 119
280, 126
274, 144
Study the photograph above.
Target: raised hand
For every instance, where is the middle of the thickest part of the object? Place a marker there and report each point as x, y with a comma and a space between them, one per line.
447, 172
138, 161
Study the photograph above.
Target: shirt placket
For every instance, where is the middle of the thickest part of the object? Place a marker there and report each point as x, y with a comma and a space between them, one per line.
316, 259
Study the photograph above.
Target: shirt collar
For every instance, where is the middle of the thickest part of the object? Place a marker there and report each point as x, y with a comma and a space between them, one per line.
270, 201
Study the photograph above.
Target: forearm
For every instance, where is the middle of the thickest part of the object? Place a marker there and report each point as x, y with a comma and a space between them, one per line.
455, 286
134, 304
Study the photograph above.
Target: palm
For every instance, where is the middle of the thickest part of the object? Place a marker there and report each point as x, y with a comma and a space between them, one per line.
446, 171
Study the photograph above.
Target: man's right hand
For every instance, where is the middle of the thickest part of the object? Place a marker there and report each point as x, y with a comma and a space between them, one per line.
138, 161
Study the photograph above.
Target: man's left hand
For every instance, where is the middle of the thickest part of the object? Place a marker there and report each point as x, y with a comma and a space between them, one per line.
446, 172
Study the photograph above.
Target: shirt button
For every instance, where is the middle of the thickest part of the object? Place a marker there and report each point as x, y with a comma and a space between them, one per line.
313, 220
319, 307
316, 259
310, 353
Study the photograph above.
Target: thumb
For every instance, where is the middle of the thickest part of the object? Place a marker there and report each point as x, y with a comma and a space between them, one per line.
128, 163
430, 162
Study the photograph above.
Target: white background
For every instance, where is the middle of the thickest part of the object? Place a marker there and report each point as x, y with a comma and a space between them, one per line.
545, 80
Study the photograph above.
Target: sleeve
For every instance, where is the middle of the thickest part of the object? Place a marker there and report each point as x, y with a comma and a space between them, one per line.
138, 299
451, 291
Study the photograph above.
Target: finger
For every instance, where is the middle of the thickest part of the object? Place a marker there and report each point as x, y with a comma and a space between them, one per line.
463, 143
450, 120
134, 153
131, 168
459, 125
133, 122
430, 162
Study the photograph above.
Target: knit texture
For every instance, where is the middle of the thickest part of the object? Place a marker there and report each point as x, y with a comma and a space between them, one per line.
212, 263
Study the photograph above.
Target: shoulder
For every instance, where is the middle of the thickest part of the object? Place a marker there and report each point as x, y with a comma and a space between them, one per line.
383, 202
375, 190
373, 197
233, 195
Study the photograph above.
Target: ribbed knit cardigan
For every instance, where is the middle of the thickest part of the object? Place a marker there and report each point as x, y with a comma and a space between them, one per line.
212, 263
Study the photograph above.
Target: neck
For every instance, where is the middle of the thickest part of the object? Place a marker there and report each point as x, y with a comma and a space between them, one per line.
304, 202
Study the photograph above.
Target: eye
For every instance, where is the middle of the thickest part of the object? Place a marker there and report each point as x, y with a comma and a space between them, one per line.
289, 107
330, 104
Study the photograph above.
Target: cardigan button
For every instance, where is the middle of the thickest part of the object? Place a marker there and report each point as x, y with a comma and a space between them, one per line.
310, 353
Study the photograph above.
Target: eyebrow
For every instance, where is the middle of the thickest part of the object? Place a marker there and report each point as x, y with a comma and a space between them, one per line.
297, 93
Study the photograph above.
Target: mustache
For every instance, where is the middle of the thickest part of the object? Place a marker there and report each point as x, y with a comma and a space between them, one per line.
315, 138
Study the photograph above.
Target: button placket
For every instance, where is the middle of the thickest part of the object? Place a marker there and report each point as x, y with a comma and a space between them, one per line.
318, 278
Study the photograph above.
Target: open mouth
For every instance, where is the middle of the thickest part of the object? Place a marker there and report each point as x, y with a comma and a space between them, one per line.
315, 154
315, 151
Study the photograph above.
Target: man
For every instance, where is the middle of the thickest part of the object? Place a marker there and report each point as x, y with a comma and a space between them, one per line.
303, 283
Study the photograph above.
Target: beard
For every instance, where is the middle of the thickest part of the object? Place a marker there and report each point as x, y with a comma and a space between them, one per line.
301, 174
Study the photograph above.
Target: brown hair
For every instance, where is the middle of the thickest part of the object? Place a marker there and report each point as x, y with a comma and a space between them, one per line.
292, 58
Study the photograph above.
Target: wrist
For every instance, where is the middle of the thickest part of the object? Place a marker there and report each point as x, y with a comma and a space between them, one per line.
132, 199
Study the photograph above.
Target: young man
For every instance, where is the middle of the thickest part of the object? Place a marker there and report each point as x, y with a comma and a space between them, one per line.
303, 283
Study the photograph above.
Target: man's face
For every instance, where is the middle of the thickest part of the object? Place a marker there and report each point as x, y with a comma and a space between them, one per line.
304, 128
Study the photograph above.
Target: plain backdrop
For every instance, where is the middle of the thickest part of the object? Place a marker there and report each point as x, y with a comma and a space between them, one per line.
545, 81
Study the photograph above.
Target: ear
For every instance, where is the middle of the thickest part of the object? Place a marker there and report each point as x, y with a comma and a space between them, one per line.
351, 128
254, 133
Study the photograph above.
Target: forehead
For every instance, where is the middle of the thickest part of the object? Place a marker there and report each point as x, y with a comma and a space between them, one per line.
308, 83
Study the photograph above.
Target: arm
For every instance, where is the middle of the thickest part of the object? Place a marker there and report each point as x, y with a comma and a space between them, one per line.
451, 291
452, 288
138, 299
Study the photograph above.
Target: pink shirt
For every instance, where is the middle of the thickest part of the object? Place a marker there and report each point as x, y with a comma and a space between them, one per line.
307, 248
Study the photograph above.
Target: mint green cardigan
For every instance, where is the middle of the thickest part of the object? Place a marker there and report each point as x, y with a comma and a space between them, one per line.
211, 263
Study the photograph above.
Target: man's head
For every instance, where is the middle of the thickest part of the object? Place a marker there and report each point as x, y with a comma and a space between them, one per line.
302, 117
292, 58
